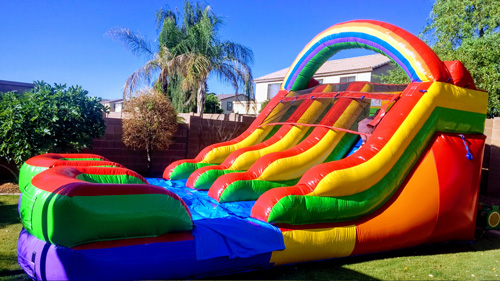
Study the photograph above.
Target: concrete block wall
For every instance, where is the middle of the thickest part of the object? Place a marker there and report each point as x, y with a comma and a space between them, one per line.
112, 147
491, 162
190, 139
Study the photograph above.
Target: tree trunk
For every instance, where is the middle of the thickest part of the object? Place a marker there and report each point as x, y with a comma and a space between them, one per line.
200, 95
148, 152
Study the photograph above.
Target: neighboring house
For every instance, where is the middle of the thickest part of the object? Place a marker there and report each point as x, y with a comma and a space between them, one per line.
115, 107
333, 71
17, 87
236, 103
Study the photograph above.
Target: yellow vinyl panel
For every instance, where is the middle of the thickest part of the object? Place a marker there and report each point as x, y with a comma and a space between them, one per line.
295, 166
315, 244
218, 154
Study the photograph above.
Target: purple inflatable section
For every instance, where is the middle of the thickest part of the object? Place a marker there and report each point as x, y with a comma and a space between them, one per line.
163, 260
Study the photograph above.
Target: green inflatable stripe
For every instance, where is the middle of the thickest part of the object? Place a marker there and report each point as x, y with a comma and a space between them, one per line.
206, 179
26, 173
343, 147
247, 190
120, 179
273, 131
184, 170
296, 209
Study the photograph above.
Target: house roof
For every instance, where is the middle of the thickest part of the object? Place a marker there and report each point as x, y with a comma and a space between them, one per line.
111, 101
6, 86
227, 96
336, 67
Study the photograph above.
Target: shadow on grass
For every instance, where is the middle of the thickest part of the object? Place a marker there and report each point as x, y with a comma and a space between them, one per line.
321, 270
8, 214
14, 274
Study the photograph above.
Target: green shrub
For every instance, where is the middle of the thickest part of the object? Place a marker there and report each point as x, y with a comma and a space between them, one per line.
48, 119
263, 105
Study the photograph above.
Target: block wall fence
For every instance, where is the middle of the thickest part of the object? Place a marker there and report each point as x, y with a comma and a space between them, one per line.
190, 139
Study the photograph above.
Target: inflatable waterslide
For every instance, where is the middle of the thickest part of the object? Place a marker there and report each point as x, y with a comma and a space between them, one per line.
325, 171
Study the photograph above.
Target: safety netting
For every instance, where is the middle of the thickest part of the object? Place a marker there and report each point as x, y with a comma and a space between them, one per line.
313, 108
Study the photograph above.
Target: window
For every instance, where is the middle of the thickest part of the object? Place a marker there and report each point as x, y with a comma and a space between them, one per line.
229, 106
347, 79
272, 90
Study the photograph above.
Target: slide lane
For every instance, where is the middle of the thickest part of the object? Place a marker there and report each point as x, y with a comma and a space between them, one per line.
434, 204
307, 112
287, 166
396, 143
216, 153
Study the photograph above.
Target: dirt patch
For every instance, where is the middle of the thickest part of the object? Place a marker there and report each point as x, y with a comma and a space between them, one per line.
9, 187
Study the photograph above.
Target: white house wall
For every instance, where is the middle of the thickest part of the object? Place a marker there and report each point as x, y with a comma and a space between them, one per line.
261, 91
362, 76
261, 88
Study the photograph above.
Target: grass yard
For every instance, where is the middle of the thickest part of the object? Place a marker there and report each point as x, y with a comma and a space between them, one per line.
447, 261
9, 231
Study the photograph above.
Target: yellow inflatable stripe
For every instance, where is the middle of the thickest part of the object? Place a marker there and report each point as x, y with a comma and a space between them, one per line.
295, 166
247, 159
219, 154
361, 177
315, 244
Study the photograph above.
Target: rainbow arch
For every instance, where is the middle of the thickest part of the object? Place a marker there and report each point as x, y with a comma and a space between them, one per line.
414, 56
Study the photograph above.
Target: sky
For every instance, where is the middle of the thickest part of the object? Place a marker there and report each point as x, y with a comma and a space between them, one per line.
65, 42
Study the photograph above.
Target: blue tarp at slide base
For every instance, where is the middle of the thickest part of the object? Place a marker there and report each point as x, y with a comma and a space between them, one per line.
224, 229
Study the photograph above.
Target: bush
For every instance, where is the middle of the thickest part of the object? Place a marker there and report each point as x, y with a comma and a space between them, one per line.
150, 122
48, 119
212, 104
263, 105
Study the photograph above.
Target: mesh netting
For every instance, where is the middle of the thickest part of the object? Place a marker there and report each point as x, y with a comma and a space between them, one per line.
325, 104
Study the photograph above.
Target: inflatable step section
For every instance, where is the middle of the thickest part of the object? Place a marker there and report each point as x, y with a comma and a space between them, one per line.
42, 162
69, 206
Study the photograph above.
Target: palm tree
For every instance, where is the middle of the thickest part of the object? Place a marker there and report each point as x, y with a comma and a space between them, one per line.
188, 53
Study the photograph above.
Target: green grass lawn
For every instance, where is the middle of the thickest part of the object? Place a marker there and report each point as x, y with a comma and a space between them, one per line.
9, 231
446, 261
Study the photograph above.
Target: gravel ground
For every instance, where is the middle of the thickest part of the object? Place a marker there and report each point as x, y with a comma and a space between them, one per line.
9, 187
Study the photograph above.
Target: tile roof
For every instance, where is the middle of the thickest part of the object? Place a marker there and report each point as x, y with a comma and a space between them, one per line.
227, 96
336, 67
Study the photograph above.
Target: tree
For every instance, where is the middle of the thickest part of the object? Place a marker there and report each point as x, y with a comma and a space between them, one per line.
150, 122
394, 76
212, 104
48, 119
263, 105
451, 22
189, 51
467, 31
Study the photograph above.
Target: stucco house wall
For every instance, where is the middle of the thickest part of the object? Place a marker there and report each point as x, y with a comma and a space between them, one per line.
335, 71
